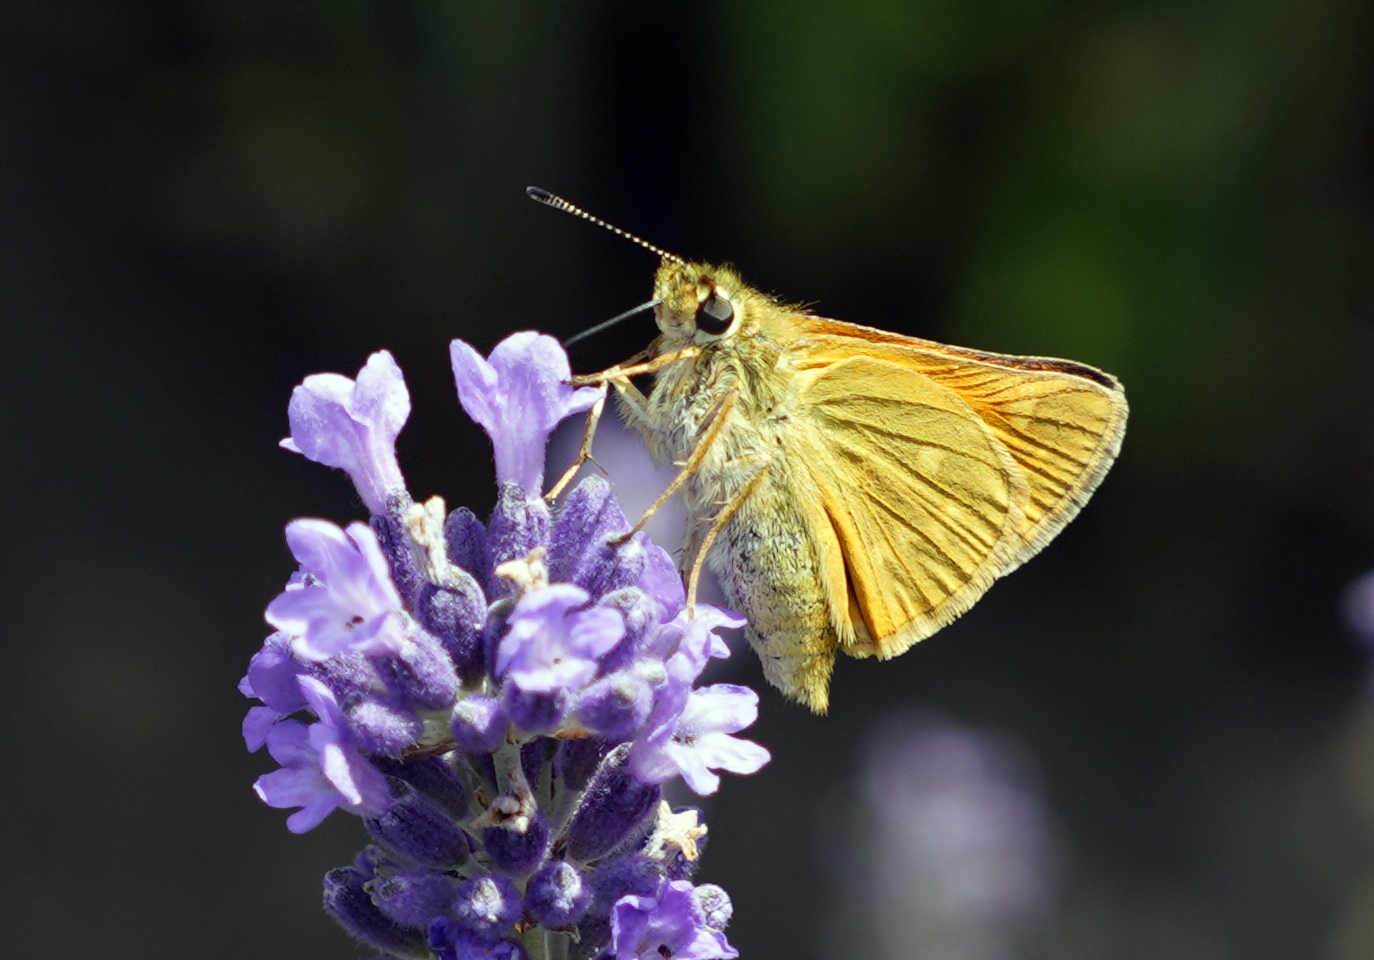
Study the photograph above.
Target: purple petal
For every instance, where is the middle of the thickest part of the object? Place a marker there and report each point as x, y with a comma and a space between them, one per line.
353, 425
518, 397
669, 925
551, 645
696, 740
321, 769
256, 724
272, 674
346, 601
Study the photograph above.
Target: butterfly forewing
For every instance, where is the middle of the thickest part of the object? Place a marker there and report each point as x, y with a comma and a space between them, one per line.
937, 471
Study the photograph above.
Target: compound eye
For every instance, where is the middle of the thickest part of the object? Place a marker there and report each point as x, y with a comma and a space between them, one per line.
715, 314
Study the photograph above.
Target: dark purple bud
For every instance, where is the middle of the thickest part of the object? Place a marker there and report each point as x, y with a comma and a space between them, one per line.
715, 906
381, 728
422, 679
455, 613
347, 901
518, 845
349, 675
396, 547
616, 706
579, 550
612, 811
534, 754
432, 776
518, 525
418, 829
498, 617
414, 896
577, 760
479, 724
487, 906
535, 712
556, 895
466, 540
624, 876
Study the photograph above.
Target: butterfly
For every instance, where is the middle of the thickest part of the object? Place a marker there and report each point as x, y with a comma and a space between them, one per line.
854, 490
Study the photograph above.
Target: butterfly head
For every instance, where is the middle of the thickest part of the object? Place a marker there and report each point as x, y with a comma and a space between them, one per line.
700, 303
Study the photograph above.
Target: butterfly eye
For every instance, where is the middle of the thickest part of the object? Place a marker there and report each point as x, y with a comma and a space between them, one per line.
715, 314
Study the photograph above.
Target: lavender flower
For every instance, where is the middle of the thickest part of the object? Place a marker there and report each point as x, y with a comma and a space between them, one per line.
343, 599
322, 770
500, 703
353, 424
518, 396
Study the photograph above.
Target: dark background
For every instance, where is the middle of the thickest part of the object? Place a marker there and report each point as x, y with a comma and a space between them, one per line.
200, 203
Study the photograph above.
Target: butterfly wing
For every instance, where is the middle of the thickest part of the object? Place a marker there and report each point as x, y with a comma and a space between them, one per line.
935, 470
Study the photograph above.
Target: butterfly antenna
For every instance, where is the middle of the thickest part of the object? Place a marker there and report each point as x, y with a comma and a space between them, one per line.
558, 203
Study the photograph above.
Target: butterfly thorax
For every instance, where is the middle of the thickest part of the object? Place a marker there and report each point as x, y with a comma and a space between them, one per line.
734, 370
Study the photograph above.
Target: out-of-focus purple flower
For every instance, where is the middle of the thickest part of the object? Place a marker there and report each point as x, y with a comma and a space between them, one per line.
695, 740
671, 924
344, 600
353, 425
519, 395
1359, 607
951, 853
553, 640
321, 769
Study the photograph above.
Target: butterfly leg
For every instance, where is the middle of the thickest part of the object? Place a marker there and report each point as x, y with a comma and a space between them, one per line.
584, 451
634, 401
713, 428
633, 404
623, 371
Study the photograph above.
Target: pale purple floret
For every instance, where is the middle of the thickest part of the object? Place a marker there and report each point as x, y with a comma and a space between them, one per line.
553, 640
689, 735
353, 424
321, 768
518, 395
692, 640
671, 924
271, 678
343, 601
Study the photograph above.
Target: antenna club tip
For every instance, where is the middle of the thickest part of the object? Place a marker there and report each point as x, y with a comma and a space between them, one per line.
538, 193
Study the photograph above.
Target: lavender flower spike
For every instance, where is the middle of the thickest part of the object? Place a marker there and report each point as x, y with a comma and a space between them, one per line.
353, 424
518, 397
501, 703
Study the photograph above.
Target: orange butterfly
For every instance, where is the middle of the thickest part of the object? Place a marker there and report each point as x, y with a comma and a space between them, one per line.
853, 489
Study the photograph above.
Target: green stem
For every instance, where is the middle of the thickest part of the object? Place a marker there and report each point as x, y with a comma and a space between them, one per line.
536, 942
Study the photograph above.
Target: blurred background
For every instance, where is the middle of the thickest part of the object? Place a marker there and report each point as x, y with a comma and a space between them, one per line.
1161, 726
